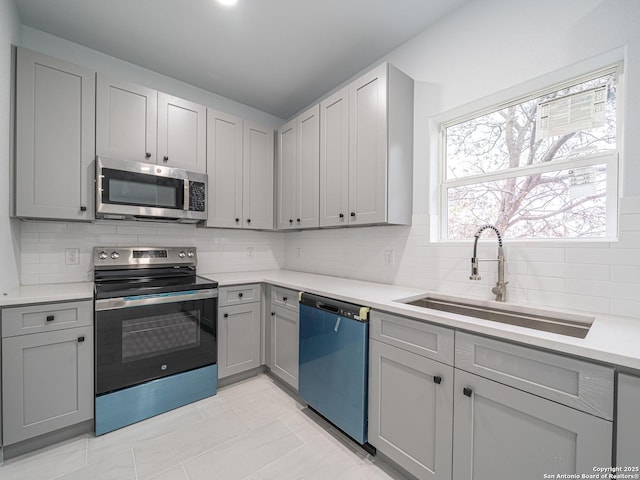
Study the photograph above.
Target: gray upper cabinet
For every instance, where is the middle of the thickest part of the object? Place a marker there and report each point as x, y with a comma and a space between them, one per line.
298, 171
126, 120
55, 138
240, 168
500, 429
257, 177
47, 377
370, 125
182, 130
334, 159
224, 169
286, 176
139, 124
628, 421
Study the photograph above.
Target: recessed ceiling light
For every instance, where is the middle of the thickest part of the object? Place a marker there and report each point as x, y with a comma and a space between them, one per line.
228, 2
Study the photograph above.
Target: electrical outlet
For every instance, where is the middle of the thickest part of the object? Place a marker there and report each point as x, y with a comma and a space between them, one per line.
250, 252
388, 257
72, 256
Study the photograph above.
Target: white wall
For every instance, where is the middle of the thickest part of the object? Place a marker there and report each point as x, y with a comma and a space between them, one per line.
486, 52
9, 229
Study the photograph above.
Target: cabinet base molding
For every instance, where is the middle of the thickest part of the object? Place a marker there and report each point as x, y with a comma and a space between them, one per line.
46, 440
242, 376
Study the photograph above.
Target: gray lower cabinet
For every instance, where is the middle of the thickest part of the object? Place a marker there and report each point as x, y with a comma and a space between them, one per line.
238, 338
628, 422
502, 432
47, 368
411, 410
284, 328
47, 382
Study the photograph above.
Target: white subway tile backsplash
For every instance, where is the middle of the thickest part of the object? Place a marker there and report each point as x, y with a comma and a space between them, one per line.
626, 273
598, 277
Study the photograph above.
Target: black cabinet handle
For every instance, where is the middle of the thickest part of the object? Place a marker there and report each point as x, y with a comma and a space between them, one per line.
240, 295
248, 220
437, 379
273, 314
147, 155
341, 215
165, 158
284, 299
225, 315
237, 220
50, 318
290, 221
353, 214
80, 339
83, 209
467, 391
298, 220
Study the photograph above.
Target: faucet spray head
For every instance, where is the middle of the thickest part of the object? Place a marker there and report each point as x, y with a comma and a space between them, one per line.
474, 269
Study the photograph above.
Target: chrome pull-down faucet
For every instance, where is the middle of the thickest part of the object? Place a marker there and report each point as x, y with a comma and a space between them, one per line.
500, 289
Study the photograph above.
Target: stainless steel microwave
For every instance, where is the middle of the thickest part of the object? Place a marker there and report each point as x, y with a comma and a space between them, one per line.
144, 191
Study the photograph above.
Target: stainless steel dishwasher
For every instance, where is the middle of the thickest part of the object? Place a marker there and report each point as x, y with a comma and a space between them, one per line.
334, 354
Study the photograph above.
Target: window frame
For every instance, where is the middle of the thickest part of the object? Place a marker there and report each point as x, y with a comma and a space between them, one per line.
609, 157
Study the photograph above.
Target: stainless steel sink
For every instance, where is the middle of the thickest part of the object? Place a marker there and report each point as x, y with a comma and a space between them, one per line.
565, 324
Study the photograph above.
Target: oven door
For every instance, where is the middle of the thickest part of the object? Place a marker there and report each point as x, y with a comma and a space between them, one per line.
144, 338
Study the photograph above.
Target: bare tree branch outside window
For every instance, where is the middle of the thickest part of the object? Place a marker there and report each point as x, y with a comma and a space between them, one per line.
534, 203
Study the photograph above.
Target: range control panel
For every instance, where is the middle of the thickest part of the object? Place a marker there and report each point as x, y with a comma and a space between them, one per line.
110, 257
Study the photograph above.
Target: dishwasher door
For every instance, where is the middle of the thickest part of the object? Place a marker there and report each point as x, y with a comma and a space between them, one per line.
334, 363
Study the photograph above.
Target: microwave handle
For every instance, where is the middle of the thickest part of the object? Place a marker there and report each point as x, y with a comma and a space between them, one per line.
186, 194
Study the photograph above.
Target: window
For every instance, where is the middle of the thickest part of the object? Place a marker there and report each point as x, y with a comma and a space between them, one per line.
540, 167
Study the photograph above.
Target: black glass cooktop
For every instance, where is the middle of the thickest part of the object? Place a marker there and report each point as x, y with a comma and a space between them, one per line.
134, 282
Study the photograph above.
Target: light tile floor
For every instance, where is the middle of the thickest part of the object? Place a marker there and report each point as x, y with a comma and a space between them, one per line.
251, 430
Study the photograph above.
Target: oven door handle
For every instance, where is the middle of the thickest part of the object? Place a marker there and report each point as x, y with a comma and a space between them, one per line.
157, 299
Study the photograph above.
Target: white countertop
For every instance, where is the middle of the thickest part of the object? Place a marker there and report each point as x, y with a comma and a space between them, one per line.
613, 340
59, 292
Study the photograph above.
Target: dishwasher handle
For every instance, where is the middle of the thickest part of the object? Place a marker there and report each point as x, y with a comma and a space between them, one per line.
327, 307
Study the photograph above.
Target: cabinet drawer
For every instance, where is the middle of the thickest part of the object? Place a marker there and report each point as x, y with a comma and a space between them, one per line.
284, 298
46, 317
239, 294
425, 339
575, 383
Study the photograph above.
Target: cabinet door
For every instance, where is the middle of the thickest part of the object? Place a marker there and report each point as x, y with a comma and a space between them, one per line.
414, 428
286, 176
334, 159
47, 382
257, 177
284, 331
126, 120
368, 148
628, 422
500, 431
307, 192
55, 138
224, 169
182, 127
238, 338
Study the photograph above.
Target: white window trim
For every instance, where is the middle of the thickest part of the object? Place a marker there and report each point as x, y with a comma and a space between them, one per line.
610, 157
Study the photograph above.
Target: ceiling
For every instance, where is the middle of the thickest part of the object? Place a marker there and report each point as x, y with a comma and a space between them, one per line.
275, 55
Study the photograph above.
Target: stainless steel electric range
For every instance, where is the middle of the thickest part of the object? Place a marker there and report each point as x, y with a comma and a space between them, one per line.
155, 333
